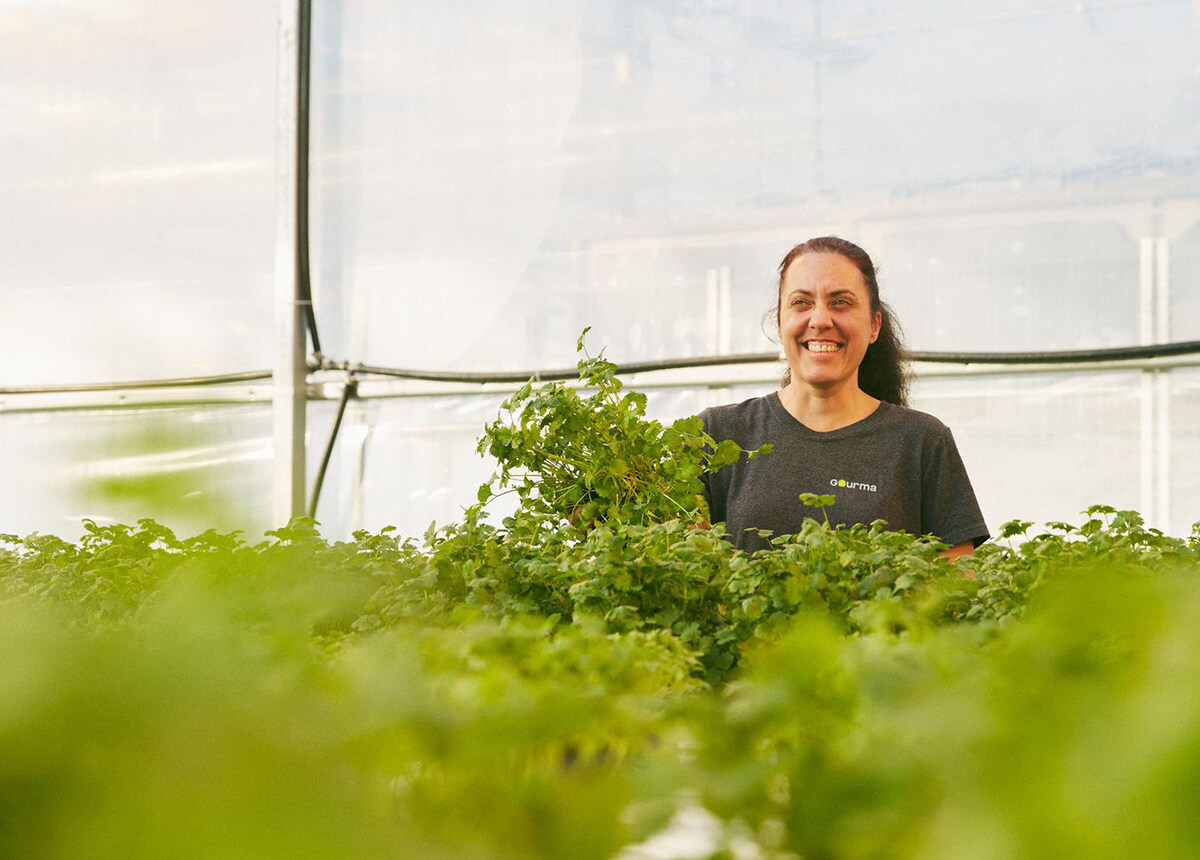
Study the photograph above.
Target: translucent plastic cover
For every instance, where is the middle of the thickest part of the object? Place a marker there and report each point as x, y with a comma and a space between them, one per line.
488, 179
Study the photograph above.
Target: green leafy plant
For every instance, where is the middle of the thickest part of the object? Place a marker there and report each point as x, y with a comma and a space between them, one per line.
846, 692
597, 458
568, 678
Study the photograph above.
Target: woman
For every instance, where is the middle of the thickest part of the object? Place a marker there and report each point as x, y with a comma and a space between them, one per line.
839, 423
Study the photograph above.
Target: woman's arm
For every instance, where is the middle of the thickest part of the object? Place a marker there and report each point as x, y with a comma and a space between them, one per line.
959, 550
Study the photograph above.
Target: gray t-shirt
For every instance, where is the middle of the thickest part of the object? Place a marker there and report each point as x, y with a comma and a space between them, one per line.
896, 464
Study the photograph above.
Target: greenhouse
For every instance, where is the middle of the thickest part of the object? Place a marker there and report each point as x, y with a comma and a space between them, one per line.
285, 284
482, 182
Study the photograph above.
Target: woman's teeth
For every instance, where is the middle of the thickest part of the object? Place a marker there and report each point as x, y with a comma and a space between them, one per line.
822, 346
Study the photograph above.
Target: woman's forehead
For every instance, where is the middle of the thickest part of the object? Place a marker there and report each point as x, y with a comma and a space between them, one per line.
823, 272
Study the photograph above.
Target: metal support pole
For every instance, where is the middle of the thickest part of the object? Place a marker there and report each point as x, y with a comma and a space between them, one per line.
1154, 328
719, 318
366, 429
1162, 334
290, 371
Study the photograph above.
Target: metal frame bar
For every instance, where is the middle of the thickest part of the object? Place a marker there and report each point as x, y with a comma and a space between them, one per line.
327, 385
289, 390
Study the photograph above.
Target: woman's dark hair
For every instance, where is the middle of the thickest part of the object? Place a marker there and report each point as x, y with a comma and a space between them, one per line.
884, 372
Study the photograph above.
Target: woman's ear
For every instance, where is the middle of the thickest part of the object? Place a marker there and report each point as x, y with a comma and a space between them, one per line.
876, 325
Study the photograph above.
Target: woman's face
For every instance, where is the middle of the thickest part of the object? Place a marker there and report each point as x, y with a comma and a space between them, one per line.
825, 320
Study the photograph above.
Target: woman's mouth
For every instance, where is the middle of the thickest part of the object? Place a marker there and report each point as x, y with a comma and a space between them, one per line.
822, 346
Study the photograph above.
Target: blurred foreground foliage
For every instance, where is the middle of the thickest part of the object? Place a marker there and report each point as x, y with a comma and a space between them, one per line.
524, 693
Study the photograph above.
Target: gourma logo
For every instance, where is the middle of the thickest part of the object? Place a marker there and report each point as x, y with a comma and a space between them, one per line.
852, 485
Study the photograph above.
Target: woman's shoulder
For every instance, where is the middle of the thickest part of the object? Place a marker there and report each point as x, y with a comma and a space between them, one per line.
911, 420
721, 421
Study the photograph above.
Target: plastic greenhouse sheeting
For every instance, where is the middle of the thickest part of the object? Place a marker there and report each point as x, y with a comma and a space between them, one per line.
138, 189
489, 179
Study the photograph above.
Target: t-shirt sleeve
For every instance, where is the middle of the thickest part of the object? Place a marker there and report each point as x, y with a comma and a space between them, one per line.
949, 508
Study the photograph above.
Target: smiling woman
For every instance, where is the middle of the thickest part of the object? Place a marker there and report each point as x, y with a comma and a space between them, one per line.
840, 419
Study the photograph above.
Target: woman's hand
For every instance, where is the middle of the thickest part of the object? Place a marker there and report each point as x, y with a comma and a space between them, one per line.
958, 550
966, 549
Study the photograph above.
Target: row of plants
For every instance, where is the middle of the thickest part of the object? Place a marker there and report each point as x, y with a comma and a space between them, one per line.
568, 681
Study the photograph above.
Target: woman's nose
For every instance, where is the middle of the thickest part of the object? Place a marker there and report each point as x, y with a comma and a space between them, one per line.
819, 316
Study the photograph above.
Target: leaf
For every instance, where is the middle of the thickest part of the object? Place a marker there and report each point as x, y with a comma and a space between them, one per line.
1014, 527
727, 452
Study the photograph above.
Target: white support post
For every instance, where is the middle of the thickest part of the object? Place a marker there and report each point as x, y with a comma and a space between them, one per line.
712, 312
290, 372
724, 310
1162, 416
365, 430
718, 304
1154, 327
1147, 282
718, 310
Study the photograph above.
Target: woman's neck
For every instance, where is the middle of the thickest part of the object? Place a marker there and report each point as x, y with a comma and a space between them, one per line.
824, 411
